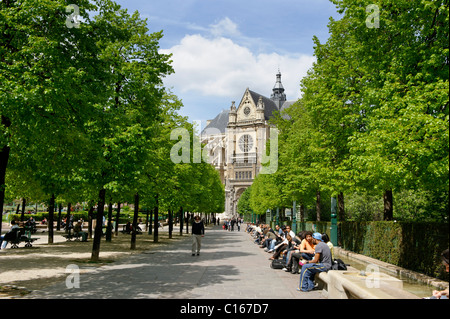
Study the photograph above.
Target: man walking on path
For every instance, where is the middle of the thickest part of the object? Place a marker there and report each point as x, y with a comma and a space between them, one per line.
198, 231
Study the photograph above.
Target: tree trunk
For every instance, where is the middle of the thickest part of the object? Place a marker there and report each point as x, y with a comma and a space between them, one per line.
388, 205
58, 221
109, 224
22, 216
51, 210
170, 223
69, 208
147, 213
4, 157
150, 228
341, 207
187, 223
155, 232
302, 213
90, 213
117, 219
318, 206
135, 219
181, 221
98, 227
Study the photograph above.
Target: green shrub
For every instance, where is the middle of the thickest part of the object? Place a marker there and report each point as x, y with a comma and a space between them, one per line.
412, 245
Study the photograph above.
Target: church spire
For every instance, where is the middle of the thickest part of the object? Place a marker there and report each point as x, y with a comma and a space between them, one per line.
278, 95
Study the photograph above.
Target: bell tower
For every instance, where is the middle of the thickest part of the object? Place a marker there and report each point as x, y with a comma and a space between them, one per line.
278, 96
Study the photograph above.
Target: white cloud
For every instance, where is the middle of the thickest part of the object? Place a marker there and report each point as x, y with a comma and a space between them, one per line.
218, 66
225, 27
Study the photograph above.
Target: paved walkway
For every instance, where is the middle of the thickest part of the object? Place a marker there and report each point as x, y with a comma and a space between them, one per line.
230, 266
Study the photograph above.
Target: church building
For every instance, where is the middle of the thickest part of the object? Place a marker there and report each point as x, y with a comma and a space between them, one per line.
236, 139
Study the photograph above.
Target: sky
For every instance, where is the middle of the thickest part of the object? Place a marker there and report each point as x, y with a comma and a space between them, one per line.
222, 47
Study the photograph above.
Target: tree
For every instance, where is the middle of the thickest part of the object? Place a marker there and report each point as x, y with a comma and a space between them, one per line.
404, 144
374, 112
243, 206
42, 72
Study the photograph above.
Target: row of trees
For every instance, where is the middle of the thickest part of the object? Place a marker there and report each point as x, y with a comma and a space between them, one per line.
373, 120
85, 116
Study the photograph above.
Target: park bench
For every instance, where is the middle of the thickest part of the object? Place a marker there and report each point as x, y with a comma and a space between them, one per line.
19, 236
128, 231
72, 236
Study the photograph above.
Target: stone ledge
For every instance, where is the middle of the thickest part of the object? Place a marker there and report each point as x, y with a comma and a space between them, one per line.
393, 269
349, 284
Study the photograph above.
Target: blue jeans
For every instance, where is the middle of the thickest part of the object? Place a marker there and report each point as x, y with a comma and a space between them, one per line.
307, 256
272, 244
307, 275
3, 242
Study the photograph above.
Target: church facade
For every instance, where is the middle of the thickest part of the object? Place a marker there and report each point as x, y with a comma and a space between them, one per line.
236, 140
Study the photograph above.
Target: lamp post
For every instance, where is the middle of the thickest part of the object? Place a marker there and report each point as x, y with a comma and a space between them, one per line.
333, 228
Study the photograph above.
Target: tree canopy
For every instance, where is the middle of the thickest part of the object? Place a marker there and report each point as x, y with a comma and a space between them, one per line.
374, 113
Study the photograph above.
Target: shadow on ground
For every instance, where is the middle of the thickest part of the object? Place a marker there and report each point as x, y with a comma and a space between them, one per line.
167, 271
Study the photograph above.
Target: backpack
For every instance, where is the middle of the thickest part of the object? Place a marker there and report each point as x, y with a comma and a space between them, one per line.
338, 264
277, 264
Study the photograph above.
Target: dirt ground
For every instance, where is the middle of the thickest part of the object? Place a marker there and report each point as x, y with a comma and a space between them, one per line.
23, 270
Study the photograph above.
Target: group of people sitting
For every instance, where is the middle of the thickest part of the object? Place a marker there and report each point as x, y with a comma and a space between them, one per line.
305, 252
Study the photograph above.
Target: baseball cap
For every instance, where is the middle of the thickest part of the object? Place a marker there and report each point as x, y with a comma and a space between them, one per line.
317, 236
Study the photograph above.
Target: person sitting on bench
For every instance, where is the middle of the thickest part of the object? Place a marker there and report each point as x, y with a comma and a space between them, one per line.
127, 228
9, 235
78, 230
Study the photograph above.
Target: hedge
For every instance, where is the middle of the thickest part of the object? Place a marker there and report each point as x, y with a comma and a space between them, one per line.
412, 245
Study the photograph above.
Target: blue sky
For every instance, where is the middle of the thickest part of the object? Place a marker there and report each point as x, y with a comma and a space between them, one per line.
221, 47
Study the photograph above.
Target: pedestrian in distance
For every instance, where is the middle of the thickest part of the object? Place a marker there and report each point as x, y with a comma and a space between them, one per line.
198, 231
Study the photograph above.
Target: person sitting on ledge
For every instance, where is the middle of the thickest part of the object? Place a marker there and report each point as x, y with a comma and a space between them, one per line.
443, 294
281, 246
320, 263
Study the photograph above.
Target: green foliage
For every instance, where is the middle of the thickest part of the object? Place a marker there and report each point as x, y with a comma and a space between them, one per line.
373, 116
243, 206
411, 245
84, 112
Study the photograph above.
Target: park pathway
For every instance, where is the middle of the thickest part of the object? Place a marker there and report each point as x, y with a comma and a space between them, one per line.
230, 266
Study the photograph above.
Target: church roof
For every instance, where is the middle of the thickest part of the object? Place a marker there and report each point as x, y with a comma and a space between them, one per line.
269, 105
220, 123
285, 105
